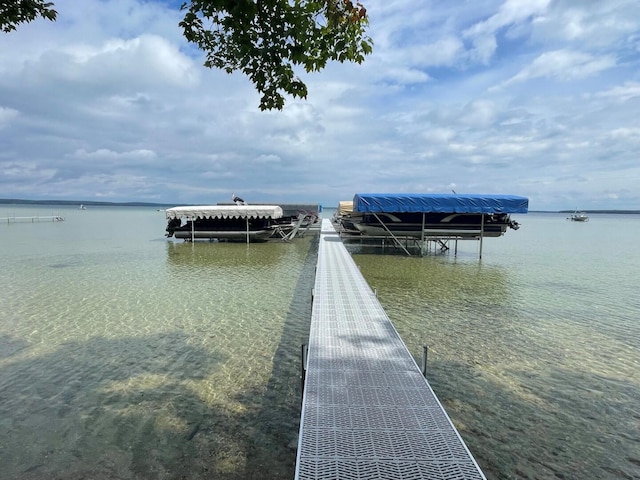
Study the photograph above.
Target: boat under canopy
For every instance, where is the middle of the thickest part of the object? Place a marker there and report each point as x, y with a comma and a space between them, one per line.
438, 203
250, 223
436, 217
345, 207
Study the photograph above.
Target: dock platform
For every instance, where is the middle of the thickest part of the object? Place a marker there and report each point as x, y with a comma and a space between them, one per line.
33, 219
367, 410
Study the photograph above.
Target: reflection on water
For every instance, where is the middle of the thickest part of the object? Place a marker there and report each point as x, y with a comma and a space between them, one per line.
159, 360
224, 255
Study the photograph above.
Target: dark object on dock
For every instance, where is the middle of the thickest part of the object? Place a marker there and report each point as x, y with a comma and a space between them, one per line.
237, 200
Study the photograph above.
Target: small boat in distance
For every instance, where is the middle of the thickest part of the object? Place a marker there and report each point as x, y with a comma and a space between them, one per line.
579, 216
82, 207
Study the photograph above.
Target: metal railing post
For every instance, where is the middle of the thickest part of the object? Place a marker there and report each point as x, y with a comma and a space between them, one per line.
425, 352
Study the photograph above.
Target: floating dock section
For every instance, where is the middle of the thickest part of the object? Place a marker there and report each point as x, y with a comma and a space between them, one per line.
367, 410
33, 219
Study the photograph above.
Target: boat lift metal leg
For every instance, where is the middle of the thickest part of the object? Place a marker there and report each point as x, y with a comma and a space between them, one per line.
481, 234
312, 219
398, 242
294, 232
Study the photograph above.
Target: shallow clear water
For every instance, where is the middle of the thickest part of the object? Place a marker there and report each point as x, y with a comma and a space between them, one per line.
124, 355
535, 350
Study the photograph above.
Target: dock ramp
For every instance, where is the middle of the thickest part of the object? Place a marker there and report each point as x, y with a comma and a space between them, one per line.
367, 410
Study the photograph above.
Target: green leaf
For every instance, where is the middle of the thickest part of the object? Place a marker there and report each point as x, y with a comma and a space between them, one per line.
266, 38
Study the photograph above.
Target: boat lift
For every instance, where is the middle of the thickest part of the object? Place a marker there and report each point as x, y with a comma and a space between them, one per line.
246, 212
441, 203
311, 217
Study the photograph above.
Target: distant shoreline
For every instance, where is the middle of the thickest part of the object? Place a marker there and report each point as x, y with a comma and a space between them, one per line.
16, 201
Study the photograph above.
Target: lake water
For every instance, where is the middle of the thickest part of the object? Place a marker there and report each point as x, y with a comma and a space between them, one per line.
535, 350
125, 355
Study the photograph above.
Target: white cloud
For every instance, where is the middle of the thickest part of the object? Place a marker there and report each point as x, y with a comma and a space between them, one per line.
111, 101
628, 134
439, 135
116, 65
512, 13
564, 65
627, 91
480, 113
110, 155
589, 23
7, 115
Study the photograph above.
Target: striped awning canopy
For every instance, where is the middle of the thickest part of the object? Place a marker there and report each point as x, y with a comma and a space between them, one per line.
226, 211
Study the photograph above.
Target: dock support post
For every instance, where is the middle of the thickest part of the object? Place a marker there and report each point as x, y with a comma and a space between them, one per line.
425, 351
424, 220
303, 368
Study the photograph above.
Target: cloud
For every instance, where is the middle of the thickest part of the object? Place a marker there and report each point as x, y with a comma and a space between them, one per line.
114, 65
511, 14
590, 24
563, 65
535, 98
7, 115
103, 154
625, 92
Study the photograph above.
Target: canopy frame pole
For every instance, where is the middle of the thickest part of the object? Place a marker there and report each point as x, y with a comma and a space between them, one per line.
398, 242
481, 234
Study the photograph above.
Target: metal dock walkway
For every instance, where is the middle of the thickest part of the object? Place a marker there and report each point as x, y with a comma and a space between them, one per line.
367, 410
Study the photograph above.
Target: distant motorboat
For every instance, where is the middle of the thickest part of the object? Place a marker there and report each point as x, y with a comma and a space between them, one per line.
82, 207
579, 217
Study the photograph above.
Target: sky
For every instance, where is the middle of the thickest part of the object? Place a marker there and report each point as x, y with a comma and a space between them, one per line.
538, 98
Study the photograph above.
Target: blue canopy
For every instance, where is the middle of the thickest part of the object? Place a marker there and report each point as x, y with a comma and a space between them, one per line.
439, 202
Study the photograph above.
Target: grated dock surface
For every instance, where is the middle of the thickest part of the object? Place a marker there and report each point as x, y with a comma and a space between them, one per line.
367, 411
